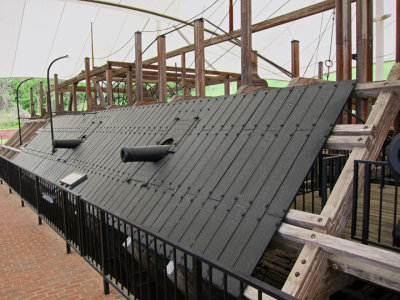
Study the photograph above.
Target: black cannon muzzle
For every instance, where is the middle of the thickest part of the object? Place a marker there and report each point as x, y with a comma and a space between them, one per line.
145, 153
69, 144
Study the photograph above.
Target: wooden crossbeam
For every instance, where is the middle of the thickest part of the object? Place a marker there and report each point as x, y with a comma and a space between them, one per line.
306, 278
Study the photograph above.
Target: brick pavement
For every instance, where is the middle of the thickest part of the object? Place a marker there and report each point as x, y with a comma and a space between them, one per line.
33, 259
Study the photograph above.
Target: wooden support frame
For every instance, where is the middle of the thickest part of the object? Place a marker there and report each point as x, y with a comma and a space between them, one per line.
32, 106
129, 88
162, 69
295, 46
41, 100
199, 58
307, 275
246, 54
109, 79
56, 93
74, 96
138, 67
88, 83
184, 83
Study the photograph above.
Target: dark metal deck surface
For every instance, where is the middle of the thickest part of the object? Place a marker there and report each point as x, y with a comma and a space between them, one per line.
238, 163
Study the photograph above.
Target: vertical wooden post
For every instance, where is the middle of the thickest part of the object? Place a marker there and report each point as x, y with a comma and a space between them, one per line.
74, 97
88, 84
295, 58
32, 105
320, 70
227, 85
397, 30
129, 92
185, 89
339, 39
363, 53
199, 58
245, 20
162, 69
56, 93
41, 99
109, 85
230, 15
138, 67
347, 60
61, 102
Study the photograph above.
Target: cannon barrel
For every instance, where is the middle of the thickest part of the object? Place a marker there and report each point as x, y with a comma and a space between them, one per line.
144, 153
69, 144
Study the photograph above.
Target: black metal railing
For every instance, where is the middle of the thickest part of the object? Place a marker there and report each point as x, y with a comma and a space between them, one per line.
137, 262
375, 213
319, 182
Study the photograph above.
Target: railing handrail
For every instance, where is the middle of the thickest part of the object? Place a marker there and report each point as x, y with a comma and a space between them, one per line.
238, 275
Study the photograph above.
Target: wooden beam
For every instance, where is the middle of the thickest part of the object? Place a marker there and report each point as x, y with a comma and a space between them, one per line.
138, 67
320, 70
41, 98
345, 142
307, 220
56, 93
269, 23
74, 96
370, 90
129, 89
295, 58
88, 83
365, 271
227, 85
199, 58
162, 71
304, 279
32, 105
246, 47
355, 130
185, 88
347, 59
109, 86
61, 106
339, 39
363, 253
230, 15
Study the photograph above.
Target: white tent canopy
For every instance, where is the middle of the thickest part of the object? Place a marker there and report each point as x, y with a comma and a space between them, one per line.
34, 32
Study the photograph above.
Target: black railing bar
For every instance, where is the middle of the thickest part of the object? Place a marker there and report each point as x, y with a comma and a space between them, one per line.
381, 203
148, 265
355, 200
395, 209
126, 259
156, 267
267, 289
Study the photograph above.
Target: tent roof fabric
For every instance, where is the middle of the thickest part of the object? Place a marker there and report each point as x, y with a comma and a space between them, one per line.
234, 167
34, 32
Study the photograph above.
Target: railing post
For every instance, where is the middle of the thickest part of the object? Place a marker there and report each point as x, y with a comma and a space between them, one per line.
65, 221
20, 187
323, 182
37, 190
103, 229
81, 225
366, 204
197, 279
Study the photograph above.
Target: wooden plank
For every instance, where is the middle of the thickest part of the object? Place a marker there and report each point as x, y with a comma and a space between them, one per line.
56, 93
339, 39
320, 70
338, 206
199, 58
138, 67
74, 96
129, 89
295, 58
41, 99
307, 220
269, 23
372, 89
31, 103
227, 85
162, 71
87, 77
109, 87
184, 84
347, 142
372, 256
353, 129
246, 47
366, 272
11, 148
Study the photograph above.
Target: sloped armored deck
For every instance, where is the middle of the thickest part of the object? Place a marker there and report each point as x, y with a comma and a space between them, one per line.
233, 169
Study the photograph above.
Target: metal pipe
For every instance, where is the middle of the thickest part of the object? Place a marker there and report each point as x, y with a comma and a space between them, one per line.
19, 118
49, 99
144, 153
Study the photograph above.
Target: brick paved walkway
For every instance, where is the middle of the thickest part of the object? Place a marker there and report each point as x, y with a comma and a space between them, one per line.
33, 260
